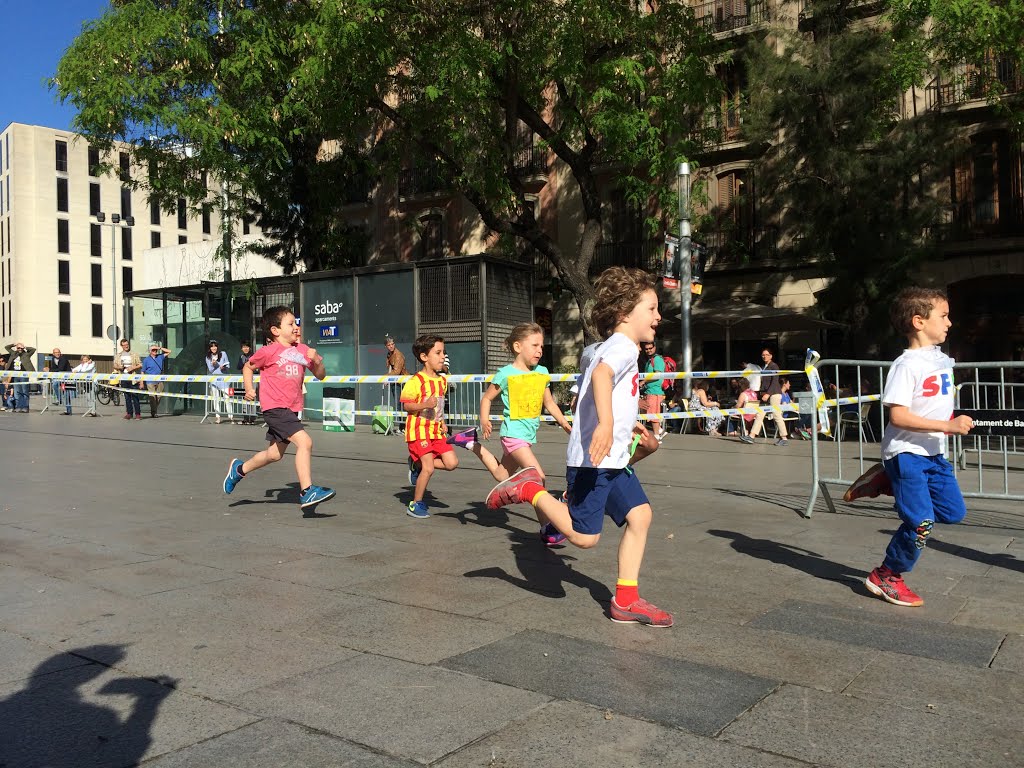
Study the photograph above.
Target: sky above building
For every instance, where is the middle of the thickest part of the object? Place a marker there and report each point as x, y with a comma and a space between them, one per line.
35, 36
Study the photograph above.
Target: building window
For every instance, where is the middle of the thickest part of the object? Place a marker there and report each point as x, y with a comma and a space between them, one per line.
154, 239
95, 240
154, 212
182, 239
94, 161
97, 321
431, 228
245, 225
62, 195
94, 198
126, 202
126, 279
182, 214
62, 156
64, 318
126, 243
206, 218
64, 277
124, 166
96, 273
63, 239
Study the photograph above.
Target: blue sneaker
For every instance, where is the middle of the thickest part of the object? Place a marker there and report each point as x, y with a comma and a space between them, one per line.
314, 495
464, 439
417, 509
233, 476
414, 474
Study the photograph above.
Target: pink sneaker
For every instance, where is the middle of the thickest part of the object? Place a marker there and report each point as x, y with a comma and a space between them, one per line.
872, 483
551, 536
508, 491
640, 612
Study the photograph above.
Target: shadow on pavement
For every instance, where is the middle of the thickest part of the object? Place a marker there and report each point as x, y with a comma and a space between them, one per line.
998, 559
478, 514
287, 495
798, 558
50, 723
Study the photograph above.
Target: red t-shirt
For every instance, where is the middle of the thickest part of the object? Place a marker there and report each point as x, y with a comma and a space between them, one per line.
282, 369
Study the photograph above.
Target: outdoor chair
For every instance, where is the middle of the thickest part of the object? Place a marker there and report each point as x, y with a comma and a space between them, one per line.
858, 418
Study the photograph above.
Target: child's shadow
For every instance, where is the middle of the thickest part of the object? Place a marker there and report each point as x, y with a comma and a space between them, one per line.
405, 495
998, 559
288, 495
479, 514
544, 571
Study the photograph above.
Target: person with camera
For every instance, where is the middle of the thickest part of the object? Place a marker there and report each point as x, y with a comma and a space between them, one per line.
19, 358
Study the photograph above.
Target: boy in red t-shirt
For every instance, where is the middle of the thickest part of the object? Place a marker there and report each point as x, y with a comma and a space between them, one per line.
282, 364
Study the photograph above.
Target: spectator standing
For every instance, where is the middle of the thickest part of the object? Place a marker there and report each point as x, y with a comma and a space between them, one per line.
248, 408
127, 362
61, 389
654, 393
396, 367
153, 365
88, 366
19, 358
771, 393
217, 363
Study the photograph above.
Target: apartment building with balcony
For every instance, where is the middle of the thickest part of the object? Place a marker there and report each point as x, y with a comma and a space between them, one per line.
63, 273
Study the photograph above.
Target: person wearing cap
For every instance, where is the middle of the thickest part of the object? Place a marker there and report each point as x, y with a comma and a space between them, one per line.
19, 358
153, 365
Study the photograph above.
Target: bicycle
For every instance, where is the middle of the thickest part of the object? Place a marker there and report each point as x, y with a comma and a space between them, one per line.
107, 395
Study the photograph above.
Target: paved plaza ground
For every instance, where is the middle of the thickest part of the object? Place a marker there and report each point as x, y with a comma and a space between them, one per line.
145, 617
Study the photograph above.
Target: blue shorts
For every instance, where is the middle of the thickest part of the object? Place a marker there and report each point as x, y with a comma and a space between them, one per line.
594, 493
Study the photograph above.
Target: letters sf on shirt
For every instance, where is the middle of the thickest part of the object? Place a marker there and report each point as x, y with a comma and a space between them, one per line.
940, 384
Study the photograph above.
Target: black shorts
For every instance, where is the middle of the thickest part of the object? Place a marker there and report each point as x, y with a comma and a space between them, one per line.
282, 423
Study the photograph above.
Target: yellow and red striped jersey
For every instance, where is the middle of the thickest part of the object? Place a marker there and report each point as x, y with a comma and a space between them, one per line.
425, 424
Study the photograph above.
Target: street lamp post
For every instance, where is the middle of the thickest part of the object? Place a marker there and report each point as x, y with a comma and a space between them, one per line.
116, 222
685, 276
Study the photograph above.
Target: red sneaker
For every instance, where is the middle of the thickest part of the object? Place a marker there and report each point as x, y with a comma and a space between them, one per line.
508, 491
889, 586
640, 612
872, 483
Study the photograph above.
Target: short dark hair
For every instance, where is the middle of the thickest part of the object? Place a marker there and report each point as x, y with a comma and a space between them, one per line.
911, 302
617, 292
425, 343
272, 318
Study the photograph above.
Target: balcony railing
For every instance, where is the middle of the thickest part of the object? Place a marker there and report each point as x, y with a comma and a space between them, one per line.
970, 83
422, 181
727, 15
647, 255
740, 247
980, 219
529, 159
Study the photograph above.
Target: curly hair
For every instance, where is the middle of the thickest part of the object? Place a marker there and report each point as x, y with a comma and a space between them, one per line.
520, 332
911, 302
617, 292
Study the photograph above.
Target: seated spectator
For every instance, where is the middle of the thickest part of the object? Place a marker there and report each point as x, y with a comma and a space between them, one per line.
746, 397
699, 401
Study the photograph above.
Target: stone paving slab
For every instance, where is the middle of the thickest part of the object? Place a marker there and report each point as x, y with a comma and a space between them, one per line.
405, 710
278, 744
571, 735
93, 716
965, 645
1010, 656
668, 691
153, 576
827, 729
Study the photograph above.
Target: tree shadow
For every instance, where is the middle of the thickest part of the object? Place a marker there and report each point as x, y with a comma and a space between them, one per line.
998, 559
52, 723
797, 558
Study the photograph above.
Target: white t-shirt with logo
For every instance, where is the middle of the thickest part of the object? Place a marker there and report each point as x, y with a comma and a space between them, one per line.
619, 354
922, 380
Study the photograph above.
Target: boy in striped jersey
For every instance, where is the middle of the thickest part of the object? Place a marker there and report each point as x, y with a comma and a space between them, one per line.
425, 430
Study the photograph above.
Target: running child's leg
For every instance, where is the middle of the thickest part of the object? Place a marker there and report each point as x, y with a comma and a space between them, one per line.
634, 542
428, 462
303, 457
627, 606
273, 453
519, 458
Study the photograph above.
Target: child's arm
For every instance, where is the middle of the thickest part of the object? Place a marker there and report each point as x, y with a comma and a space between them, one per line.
316, 363
430, 402
601, 386
250, 390
901, 417
552, 407
485, 409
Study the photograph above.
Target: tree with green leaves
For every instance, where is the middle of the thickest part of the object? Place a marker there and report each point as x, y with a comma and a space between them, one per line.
853, 178
250, 90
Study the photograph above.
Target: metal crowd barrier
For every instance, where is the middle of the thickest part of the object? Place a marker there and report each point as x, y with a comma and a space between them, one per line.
58, 395
225, 398
998, 470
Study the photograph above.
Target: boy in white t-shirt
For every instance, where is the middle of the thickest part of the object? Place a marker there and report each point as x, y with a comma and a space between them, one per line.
919, 394
604, 433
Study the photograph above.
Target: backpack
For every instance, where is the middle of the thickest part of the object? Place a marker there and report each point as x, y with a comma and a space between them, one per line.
670, 367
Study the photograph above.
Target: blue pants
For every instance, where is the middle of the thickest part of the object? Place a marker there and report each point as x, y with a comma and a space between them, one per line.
131, 398
926, 492
21, 396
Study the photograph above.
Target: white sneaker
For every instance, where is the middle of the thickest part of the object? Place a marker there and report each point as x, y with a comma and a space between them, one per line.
659, 437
